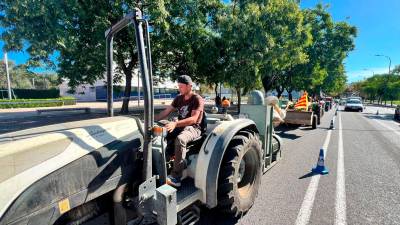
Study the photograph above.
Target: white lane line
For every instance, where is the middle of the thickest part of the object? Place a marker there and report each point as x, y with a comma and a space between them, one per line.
306, 207
340, 204
387, 126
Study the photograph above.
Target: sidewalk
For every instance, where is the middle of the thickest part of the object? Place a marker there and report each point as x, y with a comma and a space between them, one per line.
95, 107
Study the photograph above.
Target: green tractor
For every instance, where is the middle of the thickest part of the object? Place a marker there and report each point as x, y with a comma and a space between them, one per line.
73, 172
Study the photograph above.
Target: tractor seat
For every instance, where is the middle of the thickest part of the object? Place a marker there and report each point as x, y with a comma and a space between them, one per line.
193, 147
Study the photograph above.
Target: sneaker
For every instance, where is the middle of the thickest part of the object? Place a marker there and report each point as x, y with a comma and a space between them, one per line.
174, 182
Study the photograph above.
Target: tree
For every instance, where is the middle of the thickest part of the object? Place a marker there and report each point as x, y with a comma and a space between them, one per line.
396, 70
286, 38
21, 77
236, 28
184, 39
259, 41
74, 30
331, 43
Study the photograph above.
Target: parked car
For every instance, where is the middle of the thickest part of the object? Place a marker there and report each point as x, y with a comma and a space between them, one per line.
397, 113
353, 105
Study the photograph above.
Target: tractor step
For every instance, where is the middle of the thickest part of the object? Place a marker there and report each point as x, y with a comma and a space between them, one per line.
187, 194
189, 216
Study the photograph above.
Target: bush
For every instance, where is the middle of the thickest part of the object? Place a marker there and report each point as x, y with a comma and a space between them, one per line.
31, 103
36, 94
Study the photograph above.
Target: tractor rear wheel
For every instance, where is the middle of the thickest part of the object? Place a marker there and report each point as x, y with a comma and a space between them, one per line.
240, 174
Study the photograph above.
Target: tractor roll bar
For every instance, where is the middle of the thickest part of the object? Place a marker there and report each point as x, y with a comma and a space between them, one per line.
145, 71
109, 51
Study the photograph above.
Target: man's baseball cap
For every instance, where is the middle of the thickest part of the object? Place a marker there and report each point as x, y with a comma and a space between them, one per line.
184, 79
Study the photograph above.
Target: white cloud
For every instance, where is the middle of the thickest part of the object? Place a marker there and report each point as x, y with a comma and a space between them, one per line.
358, 75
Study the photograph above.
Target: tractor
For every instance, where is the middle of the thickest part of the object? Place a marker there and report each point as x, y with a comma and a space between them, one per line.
70, 173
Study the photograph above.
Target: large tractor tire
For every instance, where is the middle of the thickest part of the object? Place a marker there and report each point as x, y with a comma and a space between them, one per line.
240, 174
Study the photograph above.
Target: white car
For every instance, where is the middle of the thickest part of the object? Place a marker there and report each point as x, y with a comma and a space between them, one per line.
357, 98
353, 105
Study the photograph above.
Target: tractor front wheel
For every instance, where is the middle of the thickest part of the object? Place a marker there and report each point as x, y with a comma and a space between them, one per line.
240, 174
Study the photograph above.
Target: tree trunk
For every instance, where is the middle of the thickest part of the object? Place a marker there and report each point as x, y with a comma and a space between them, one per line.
290, 95
267, 82
280, 91
239, 96
127, 92
216, 89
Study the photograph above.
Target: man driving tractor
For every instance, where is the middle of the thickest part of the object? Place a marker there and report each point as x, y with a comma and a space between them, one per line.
190, 107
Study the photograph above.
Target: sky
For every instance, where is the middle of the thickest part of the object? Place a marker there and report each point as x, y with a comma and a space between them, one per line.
378, 25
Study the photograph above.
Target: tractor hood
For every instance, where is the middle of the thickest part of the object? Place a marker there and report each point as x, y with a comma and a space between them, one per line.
29, 155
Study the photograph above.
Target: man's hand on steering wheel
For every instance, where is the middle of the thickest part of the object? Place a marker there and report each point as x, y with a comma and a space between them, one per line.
170, 126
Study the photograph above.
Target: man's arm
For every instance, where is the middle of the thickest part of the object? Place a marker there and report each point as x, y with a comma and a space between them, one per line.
185, 122
194, 116
163, 114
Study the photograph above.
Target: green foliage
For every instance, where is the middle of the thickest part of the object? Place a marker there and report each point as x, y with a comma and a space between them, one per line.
26, 84
380, 87
396, 70
22, 78
331, 43
32, 103
75, 29
285, 45
36, 94
184, 39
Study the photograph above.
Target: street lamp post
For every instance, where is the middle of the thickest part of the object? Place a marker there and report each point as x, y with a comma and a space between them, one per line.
390, 60
8, 76
390, 63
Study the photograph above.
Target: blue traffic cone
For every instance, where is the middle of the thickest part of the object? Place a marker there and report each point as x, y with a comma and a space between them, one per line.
320, 168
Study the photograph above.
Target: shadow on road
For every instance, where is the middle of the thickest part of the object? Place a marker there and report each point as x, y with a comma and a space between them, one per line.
307, 128
281, 131
310, 174
213, 217
380, 117
288, 136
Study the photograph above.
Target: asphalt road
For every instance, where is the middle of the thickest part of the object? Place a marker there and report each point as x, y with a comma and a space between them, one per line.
364, 190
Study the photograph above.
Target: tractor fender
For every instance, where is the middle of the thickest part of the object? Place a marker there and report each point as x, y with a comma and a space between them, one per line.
211, 154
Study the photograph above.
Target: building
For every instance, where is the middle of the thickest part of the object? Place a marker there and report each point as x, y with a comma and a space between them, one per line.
98, 91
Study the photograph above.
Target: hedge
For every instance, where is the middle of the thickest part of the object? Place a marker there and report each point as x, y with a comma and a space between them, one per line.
36, 94
31, 103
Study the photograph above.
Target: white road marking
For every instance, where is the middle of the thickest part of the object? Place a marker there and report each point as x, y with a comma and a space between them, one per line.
387, 126
306, 207
340, 204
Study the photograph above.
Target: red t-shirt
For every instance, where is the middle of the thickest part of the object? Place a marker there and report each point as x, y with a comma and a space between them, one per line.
185, 107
